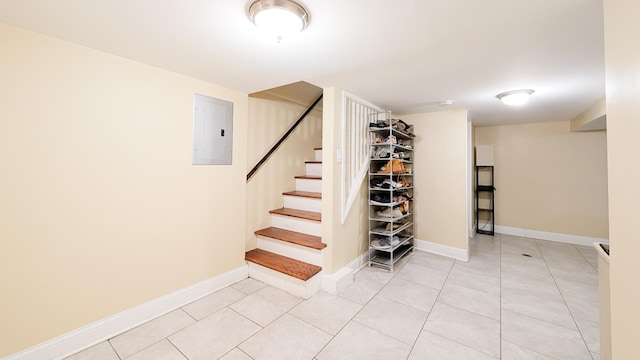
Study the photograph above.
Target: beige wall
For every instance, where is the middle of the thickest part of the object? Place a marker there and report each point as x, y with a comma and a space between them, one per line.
594, 118
622, 56
349, 240
548, 178
268, 120
441, 188
100, 207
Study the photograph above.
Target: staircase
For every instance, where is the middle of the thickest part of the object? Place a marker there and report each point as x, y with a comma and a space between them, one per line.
290, 253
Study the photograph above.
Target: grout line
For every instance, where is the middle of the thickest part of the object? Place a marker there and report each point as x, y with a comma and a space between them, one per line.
432, 306
363, 305
587, 260
565, 301
189, 315
114, 349
535, 351
394, 274
166, 337
174, 345
501, 340
249, 356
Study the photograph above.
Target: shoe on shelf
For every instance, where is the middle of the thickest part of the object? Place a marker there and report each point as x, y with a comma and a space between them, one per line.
389, 213
396, 166
402, 197
378, 124
386, 169
383, 243
403, 182
381, 153
394, 226
375, 183
383, 198
388, 184
403, 208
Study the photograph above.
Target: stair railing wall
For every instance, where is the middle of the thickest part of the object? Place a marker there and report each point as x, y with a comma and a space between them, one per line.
356, 114
282, 139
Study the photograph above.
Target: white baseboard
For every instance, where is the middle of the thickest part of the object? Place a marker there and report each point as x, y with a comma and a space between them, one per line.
544, 235
101, 330
341, 279
338, 281
359, 262
439, 249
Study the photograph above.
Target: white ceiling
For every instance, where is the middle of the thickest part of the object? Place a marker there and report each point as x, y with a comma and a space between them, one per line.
403, 55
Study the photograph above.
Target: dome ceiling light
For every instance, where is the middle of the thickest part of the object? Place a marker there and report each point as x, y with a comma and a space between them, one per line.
515, 97
278, 18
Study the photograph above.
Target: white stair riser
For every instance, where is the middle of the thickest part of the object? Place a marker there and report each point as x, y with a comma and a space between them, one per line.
312, 185
296, 224
294, 251
302, 203
318, 155
313, 169
297, 287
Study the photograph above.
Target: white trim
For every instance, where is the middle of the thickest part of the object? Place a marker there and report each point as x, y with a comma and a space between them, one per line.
290, 284
101, 330
439, 249
352, 194
359, 262
302, 203
544, 235
311, 185
313, 169
305, 226
341, 279
294, 251
361, 101
338, 281
349, 191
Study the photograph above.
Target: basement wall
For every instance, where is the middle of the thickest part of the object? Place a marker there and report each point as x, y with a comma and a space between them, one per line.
549, 178
100, 207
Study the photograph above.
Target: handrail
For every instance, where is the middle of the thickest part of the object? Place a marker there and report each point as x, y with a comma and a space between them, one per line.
282, 139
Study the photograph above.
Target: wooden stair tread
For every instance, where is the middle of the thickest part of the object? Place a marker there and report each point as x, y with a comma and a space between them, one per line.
307, 194
310, 177
308, 215
293, 237
313, 162
297, 269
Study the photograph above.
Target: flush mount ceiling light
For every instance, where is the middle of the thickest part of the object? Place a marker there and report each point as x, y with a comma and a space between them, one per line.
278, 18
515, 97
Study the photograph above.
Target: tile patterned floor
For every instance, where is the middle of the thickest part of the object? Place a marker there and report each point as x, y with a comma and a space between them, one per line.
499, 305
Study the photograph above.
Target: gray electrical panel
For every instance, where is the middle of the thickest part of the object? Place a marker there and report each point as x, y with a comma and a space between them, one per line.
212, 131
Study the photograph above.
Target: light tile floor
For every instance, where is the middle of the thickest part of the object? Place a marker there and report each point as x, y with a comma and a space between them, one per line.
499, 305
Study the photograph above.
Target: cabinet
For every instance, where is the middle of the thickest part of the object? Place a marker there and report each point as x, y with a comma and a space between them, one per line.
485, 215
391, 161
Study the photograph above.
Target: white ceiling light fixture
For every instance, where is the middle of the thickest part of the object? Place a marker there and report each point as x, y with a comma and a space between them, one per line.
278, 18
515, 97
